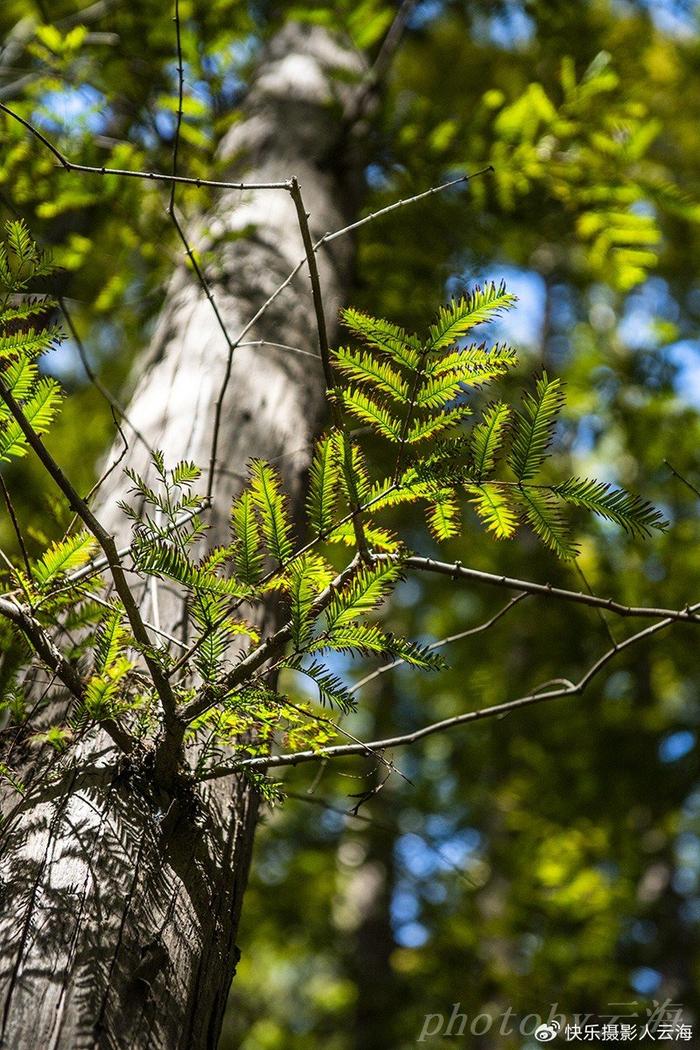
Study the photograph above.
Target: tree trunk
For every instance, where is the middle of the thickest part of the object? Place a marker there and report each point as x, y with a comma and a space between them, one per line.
118, 911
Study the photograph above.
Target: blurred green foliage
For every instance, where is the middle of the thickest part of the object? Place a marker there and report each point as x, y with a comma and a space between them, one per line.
552, 856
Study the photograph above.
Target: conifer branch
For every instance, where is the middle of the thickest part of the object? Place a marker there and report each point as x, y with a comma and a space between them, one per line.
269, 649
61, 667
16, 526
106, 542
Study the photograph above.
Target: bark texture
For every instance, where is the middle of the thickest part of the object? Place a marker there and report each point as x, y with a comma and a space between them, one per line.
119, 907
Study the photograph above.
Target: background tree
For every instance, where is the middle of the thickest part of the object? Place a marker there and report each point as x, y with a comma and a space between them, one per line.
583, 150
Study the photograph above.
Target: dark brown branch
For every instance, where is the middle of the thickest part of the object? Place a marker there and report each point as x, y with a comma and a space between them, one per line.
106, 542
61, 667
15, 526
457, 571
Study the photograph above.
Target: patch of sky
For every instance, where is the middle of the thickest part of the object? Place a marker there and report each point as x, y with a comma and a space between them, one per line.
435, 892
71, 108
407, 594
511, 28
644, 308
617, 685
688, 848
522, 325
685, 881
641, 931
166, 122
226, 66
691, 806
405, 906
675, 18
689, 911
645, 980
687, 851
424, 12
588, 433
411, 935
64, 363
685, 357
654, 568
647, 310
376, 176
423, 859
414, 854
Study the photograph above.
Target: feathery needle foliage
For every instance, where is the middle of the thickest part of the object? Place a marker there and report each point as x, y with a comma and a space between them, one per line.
415, 396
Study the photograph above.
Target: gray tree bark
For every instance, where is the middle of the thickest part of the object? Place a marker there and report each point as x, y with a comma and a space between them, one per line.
119, 908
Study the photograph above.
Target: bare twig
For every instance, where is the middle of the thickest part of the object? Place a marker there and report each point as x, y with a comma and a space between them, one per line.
151, 176
601, 615
15, 526
94, 378
280, 346
688, 484
442, 642
496, 711
303, 220
457, 571
404, 202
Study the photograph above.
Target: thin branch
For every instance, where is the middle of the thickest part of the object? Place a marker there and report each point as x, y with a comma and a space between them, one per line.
391, 41
303, 219
229, 364
15, 526
199, 273
94, 378
599, 612
151, 627
402, 740
113, 465
152, 176
61, 667
180, 90
390, 766
404, 202
106, 542
681, 477
442, 642
457, 571
280, 346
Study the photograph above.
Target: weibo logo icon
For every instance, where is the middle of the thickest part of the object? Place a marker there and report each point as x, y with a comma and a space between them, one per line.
547, 1032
